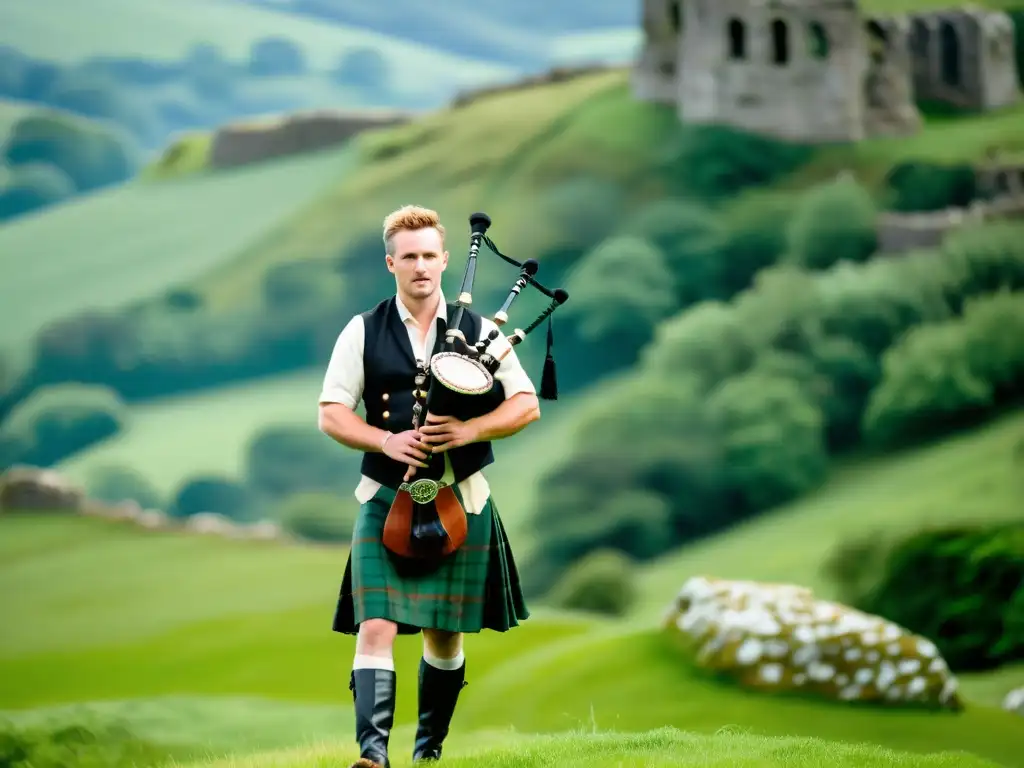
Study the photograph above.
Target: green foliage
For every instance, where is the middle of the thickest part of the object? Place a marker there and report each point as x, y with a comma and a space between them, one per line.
318, 516
91, 745
601, 582
914, 185
684, 231
114, 484
90, 156
961, 586
57, 421
713, 162
764, 388
219, 495
945, 374
621, 290
32, 186
285, 459
833, 222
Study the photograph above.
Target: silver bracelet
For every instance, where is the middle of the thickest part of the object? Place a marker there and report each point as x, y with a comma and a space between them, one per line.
384, 442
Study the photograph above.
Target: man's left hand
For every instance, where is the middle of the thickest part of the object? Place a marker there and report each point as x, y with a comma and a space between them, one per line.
447, 432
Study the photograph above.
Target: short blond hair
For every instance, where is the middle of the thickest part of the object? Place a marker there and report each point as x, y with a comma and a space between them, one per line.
410, 217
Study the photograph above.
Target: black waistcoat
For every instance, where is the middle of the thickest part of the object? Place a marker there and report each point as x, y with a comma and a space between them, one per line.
389, 370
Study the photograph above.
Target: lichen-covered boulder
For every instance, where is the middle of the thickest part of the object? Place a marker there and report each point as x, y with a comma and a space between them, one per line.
1014, 702
31, 489
779, 637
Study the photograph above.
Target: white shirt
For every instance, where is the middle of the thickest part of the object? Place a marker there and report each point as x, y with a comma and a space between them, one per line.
343, 383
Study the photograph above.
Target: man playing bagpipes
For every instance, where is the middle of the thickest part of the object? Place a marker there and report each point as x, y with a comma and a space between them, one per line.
429, 552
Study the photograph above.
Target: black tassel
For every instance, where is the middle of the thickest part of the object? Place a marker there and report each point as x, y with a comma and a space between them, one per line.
548, 383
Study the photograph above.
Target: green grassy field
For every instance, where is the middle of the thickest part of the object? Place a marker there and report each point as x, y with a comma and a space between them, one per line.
225, 632
134, 241
659, 748
169, 439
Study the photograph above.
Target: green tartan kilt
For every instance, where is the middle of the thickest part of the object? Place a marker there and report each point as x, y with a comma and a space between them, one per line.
476, 587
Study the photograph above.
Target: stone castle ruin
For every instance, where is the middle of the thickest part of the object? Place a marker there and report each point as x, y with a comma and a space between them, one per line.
820, 70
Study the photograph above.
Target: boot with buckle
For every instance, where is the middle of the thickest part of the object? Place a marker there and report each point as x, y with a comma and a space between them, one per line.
438, 694
373, 691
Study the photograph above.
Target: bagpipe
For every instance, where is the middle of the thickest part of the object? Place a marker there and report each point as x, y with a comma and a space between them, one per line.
426, 519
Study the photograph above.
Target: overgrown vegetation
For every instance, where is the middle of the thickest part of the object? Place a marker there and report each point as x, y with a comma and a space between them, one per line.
961, 586
83, 745
740, 405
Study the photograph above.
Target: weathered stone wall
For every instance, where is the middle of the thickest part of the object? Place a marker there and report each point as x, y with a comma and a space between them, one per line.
252, 142
889, 108
964, 57
901, 232
819, 70
793, 70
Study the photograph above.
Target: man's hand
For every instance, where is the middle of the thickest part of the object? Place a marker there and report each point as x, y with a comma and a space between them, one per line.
447, 432
407, 447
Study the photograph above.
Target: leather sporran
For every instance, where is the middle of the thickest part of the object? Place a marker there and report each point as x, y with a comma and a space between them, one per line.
425, 521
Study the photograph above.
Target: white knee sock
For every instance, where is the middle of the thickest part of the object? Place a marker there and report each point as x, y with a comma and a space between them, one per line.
364, 661
445, 664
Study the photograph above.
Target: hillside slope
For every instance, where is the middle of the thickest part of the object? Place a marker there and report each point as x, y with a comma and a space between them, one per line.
511, 152
136, 241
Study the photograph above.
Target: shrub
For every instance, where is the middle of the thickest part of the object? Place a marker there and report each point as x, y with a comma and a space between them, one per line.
621, 291
73, 744
113, 484
602, 582
318, 516
57, 421
833, 222
921, 186
285, 459
945, 374
208, 493
961, 587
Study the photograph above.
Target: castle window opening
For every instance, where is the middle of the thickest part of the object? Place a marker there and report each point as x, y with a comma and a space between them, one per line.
817, 40
878, 42
675, 15
737, 39
919, 38
1003, 182
780, 42
950, 47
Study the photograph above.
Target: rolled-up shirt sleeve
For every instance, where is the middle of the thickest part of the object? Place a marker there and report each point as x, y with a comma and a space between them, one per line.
343, 382
510, 373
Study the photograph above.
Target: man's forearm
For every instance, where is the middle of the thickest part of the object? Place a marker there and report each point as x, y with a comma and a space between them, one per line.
348, 428
508, 418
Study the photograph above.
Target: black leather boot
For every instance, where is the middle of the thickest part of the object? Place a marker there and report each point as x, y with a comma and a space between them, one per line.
373, 691
438, 694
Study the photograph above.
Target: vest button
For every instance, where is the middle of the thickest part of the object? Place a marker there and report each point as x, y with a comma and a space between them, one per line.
386, 414
385, 397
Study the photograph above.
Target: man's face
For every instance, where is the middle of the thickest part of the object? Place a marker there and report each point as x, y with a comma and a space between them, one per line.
418, 262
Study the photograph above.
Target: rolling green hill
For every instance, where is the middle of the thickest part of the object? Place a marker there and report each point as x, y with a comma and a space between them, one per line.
158, 31
505, 151
224, 630
138, 240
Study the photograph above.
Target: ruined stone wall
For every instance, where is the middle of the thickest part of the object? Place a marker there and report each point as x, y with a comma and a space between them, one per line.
244, 143
888, 93
655, 78
901, 232
964, 57
1001, 179
553, 75
793, 69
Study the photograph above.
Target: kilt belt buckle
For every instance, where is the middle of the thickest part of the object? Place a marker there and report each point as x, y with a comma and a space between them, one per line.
424, 490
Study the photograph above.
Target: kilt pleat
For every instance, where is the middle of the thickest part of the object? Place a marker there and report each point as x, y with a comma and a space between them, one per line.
475, 588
